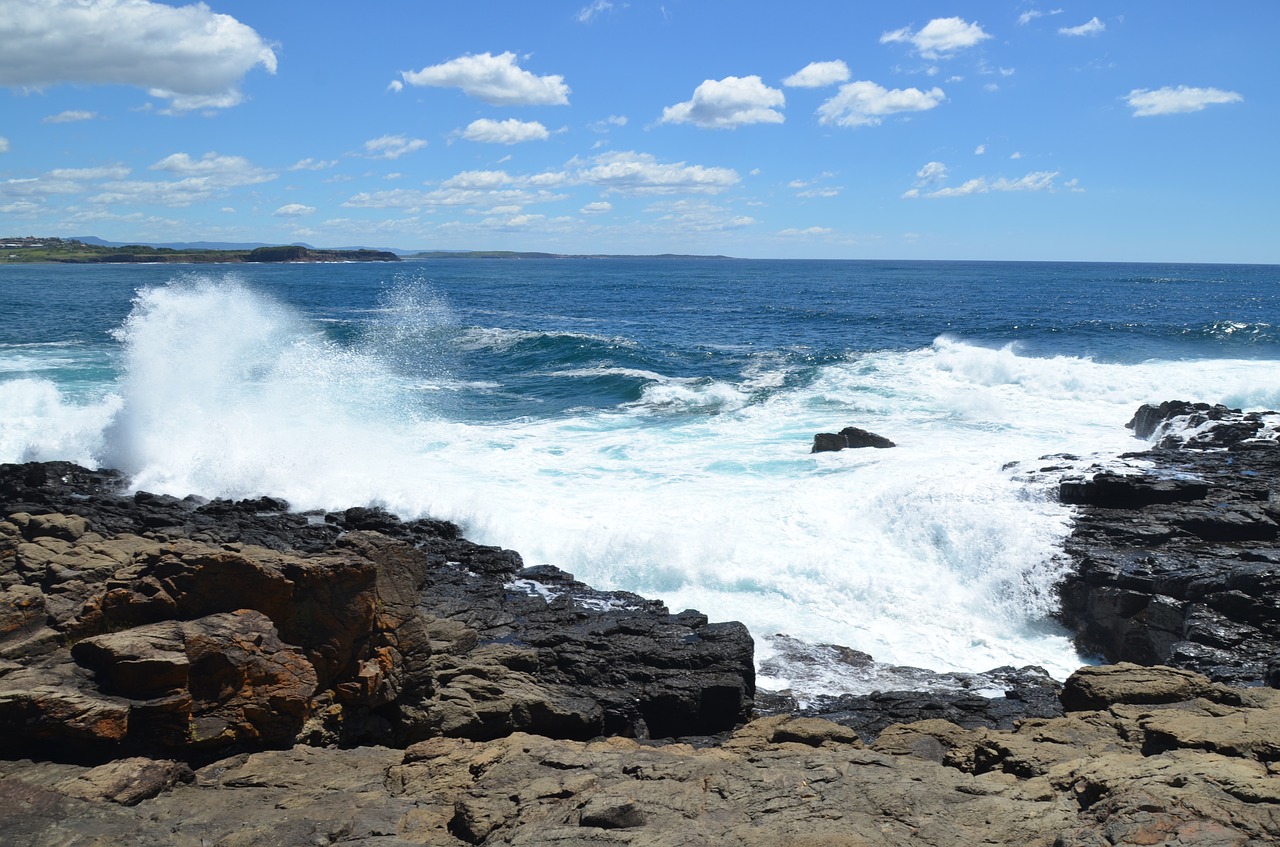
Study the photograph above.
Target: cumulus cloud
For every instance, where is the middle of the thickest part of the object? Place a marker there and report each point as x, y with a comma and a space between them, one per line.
478, 179
190, 56
599, 207
510, 131
1090, 27
496, 80
865, 103
940, 38
69, 116
194, 180
1171, 101
931, 172
642, 173
728, 103
293, 210
818, 75
699, 216
980, 150
228, 170
392, 146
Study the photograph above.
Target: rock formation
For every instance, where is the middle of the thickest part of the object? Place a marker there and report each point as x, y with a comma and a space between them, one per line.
1150, 756
849, 437
145, 624
1176, 550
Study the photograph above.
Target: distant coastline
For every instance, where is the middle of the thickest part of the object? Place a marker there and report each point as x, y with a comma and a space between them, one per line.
72, 251
95, 251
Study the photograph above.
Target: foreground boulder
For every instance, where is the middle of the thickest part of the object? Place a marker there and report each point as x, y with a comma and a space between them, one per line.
1177, 549
192, 629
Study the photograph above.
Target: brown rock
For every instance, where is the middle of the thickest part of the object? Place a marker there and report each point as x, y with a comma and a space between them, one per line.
1105, 685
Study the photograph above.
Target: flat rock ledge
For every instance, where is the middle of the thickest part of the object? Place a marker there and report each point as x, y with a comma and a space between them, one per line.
1152, 756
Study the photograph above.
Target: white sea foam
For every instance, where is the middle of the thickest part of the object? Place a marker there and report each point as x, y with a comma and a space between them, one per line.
930, 554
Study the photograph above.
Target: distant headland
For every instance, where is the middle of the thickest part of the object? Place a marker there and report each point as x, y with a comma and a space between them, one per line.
74, 251
90, 250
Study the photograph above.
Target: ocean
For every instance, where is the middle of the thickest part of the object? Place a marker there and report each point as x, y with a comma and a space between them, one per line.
646, 423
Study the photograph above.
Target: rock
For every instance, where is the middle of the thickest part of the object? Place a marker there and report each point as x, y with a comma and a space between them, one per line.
191, 628
1127, 774
1176, 557
849, 437
127, 781
1107, 685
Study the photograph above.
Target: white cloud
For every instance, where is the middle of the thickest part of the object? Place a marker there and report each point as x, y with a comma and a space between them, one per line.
641, 173
939, 38
392, 146
865, 103
699, 216
931, 172
981, 149
189, 55
395, 86
1089, 27
586, 13
818, 74
728, 103
496, 80
813, 230
612, 120
1170, 101
1034, 181
477, 179
599, 207
293, 210
69, 116
313, 164
4, 144
510, 131
1029, 16
116, 172
228, 170
1015, 155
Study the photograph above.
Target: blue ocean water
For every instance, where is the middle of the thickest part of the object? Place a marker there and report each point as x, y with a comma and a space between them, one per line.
645, 423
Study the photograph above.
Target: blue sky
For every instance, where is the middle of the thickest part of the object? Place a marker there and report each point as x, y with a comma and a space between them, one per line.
968, 130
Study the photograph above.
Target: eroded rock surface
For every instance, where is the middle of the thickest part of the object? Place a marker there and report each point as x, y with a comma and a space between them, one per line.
192, 629
1164, 771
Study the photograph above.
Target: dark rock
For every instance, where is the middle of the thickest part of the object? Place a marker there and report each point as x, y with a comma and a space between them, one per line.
147, 623
1176, 559
849, 437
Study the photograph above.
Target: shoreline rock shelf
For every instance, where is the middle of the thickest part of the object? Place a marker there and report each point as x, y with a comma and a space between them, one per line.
190, 672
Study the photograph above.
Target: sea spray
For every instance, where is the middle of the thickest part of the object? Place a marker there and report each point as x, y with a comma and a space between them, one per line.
661, 446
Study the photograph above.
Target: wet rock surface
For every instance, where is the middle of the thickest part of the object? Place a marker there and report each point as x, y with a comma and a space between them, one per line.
1177, 548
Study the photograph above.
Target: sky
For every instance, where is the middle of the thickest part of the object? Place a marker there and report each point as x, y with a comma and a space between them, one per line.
1092, 131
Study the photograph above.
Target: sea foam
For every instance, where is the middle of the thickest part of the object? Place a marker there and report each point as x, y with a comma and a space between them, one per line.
933, 553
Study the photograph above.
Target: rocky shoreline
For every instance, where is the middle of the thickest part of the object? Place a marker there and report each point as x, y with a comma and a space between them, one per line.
181, 671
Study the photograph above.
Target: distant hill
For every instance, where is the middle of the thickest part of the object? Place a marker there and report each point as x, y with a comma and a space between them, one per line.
183, 245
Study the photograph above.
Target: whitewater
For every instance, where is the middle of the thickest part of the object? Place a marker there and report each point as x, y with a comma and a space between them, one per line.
646, 425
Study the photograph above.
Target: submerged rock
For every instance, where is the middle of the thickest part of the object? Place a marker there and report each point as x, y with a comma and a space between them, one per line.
849, 437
